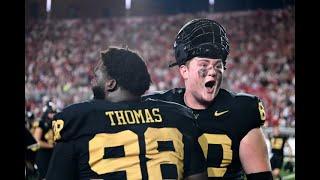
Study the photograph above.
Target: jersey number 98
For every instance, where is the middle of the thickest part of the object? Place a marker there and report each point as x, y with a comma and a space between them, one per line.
130, 161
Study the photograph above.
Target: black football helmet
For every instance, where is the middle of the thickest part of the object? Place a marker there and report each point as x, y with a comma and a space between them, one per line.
201, 38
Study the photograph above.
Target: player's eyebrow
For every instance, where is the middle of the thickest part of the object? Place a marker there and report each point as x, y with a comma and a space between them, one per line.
208, 61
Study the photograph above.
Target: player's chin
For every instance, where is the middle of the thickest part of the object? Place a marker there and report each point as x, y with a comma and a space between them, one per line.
208, 96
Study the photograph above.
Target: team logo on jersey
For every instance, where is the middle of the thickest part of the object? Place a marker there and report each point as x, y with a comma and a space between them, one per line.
220, 113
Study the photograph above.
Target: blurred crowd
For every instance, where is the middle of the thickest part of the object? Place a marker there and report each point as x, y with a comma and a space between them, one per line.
60, 56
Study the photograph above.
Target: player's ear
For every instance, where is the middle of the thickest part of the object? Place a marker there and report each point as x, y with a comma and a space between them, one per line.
184, 71
111, 85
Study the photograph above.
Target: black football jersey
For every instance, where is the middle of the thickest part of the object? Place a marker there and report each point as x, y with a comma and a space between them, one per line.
128, 140
223, 124
277, 144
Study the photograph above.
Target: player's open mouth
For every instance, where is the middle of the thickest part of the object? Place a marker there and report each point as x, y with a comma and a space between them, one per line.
210, 86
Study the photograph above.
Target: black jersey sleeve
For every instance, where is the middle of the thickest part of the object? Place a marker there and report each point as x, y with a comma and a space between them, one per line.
252, 112
258, 113
153, 95
58, 124
69, 123
64, 126
63, 162
253, 109
173, 95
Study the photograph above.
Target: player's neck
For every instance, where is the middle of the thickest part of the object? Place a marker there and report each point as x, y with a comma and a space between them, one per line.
193, 103
122, 95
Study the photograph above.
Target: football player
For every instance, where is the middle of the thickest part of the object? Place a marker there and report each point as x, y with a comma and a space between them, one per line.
120, 137
232, 140
278, 142
44, 136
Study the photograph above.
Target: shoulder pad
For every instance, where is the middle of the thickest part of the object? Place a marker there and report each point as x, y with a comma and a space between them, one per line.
251, 108
76, 106
245, 95
179, 108
156, 93
248, 99
67, 122
167, 95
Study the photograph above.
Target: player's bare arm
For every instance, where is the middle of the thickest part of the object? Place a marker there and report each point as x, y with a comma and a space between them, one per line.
254, 152
37, 135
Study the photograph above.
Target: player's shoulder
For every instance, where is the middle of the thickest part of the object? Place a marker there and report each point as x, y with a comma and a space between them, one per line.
74, 112
246, 106
171, 106
167, 95
245, 96
72, 121
78, 109
240, 97
81, 106
176, 115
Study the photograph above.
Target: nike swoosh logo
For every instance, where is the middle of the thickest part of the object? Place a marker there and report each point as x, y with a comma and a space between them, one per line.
220, 113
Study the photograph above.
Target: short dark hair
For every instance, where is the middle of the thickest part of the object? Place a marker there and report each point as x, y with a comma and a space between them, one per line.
127, 68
